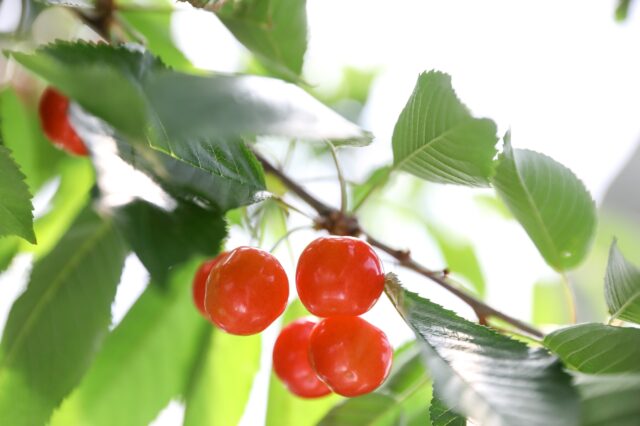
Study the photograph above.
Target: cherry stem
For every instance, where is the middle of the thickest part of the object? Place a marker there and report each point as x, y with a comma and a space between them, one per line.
327, 215
343, 184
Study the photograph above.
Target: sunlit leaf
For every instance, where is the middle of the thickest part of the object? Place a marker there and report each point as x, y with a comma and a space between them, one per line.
622, 287
374, 409
441, 415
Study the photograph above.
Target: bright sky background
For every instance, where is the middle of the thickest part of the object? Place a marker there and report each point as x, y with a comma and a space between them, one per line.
563, 75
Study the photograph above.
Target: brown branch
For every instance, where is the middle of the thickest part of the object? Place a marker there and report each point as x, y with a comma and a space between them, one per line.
331, 219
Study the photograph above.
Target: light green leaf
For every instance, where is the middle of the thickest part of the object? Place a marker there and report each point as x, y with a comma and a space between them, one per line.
145, 362
436, 138
484, 375
597, 348
550, 303
16, 211
441, 415
375, 182
550, 202
274, 30
164, 239
174, 112
374, 409
286, 409
56, 327
622, 287
622, 10
222, 380
610, 399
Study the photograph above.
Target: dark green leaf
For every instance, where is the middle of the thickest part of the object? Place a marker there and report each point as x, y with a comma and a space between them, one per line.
163, 239
597, 348
274, 30
610, 400
374, 409
174, 112
441, 415
16, 211
436, 138
484, 375
284, 408
550, 202
622, 287
145, 361
222, 380
56, 327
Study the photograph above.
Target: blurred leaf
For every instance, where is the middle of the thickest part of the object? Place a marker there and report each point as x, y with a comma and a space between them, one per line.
274, 30
164, 239
597, 348
79, 4
622, 10
226, 174
460, 257
622, 287
437, 139
16, 210
374, 409
22, 134
8, 250
222, 380
145, 361
493, 204
484, 375
56, 326
155, 27
286, 409
550, 202
441, 415
175, 112
609, 400
549, 303
376, 181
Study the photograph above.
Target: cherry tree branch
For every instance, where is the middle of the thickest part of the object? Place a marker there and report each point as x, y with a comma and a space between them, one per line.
339, 223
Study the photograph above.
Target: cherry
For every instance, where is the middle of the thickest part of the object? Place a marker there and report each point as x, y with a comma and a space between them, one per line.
246, 291
291, 361
350, 355
339, 276
200, 282
56, 125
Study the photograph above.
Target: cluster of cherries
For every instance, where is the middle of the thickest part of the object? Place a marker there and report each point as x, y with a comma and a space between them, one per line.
53, 110
338, 278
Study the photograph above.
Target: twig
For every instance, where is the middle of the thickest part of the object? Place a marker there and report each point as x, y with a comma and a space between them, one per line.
328, 217
343, 183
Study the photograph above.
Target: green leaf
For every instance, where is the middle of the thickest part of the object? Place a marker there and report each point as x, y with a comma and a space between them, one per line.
274, 30
155, 27
374, 409
284, 408
441, 415
460, 257
549, 303
222, 380
145, 362
610, 399
484, 375
622, 287
622, 10
597, 348
174, 112
436, 138
375, 182
226, 174
8, 249
550, 202
16, 211
56, 326
164, 239
22, 134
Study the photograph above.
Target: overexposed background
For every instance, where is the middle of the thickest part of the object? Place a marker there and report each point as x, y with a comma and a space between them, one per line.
563, 75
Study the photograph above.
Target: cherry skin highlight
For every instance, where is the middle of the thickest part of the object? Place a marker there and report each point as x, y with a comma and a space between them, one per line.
246, 291
200, 282
291, 361
339, 276
56, 125
350, 355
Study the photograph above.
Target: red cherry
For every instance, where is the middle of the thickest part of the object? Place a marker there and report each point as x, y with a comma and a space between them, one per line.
56, 125
291, 361
246, 291
339, 276
200, 282
350, 355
